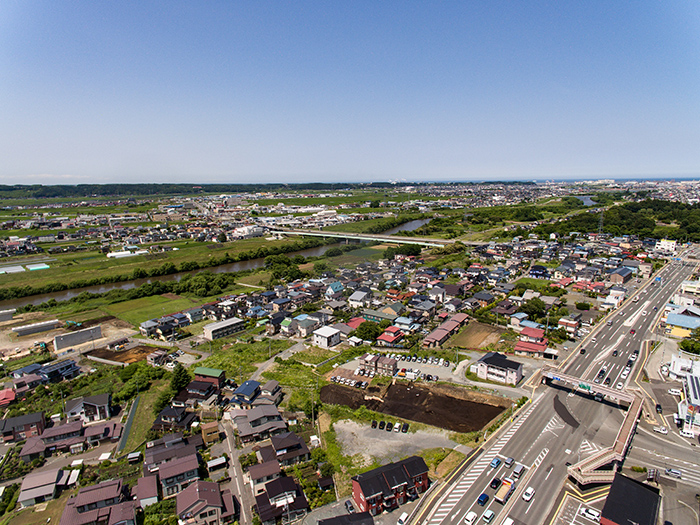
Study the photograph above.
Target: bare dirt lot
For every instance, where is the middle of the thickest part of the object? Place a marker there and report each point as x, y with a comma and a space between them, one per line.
132, 355
443, 406
477, 335
385, 446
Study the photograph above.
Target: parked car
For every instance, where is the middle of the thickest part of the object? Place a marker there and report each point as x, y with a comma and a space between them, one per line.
382, 424
374, 423
661, 430
591, 514
404, 428
397, 427
349, 506
687, 434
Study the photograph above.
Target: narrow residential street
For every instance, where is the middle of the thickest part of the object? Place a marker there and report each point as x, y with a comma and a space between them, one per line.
237, 484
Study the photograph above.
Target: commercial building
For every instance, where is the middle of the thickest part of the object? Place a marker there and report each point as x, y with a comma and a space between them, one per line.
76, 338
630, 501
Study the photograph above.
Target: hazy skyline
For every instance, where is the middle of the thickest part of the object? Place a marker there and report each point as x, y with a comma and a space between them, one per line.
248, 92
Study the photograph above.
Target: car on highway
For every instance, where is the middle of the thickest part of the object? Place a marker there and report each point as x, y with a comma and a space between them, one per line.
661, 430
674, 473
488, 516
674, 391
615, 353
632, 331
470, 518
483, 499
495, 463
594, 340
582, 351
529, 492
495, 483
621, 313
659, 409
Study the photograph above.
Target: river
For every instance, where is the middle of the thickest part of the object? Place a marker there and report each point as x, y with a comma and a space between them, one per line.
586, 200
252, 264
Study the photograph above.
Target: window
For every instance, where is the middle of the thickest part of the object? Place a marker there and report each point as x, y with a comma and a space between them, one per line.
212, 512
202, 515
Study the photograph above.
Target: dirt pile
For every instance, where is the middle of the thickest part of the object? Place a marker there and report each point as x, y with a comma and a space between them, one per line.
441, 406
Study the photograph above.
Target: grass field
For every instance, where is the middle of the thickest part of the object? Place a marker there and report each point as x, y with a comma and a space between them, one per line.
371, 253
144, 414
239, 359
139, 310
90, 265
52, 514
314, 355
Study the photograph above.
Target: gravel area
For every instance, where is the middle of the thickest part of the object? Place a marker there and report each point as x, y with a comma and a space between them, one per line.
356, 438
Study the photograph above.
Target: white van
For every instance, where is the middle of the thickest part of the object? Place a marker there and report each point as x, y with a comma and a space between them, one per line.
402, 519
687, 434
674, 391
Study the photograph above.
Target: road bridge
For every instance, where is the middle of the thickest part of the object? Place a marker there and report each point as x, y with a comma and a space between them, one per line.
433, 243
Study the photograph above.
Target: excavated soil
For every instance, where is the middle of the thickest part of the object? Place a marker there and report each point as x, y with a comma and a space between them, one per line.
132, 355
442, 406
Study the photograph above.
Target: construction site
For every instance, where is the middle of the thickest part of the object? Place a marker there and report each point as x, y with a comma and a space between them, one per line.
444, 406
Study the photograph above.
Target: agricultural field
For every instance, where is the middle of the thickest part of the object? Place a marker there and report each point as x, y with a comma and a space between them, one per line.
138, 310
476, 335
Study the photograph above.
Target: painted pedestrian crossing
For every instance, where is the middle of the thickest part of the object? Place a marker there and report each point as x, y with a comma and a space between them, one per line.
451, 499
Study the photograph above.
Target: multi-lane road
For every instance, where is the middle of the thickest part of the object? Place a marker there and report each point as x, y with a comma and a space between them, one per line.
558, 427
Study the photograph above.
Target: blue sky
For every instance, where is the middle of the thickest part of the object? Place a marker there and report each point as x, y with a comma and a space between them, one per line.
356, 91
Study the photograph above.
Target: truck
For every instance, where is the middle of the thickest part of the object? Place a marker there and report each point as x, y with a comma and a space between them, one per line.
504, 491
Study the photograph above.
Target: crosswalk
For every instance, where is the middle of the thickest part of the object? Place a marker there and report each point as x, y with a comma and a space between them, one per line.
587, 448
553, 424
450, 500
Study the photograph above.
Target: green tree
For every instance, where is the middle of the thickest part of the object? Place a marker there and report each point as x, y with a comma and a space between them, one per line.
221, 237
368, 331
181, 378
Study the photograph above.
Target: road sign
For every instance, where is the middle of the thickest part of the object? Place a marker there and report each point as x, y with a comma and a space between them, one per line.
584, 386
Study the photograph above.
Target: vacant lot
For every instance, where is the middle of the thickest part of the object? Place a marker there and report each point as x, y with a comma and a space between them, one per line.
443, 406
385, 447
476, 335
132, 355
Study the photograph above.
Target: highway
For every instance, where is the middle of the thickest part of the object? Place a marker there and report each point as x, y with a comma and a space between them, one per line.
559, 427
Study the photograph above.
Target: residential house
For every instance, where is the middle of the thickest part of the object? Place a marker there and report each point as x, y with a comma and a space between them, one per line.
210, 375
205, 503
497, 367
89, 409
389, 486
104, 503
391, 337
360, 299
147, 491
38, 487
261, 473
327, 337
174, 418
176, 475
282, 497
287, 448
258, 423
483, 298
245, 395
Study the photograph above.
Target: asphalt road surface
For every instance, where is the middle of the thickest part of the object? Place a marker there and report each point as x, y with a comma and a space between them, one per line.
558, 427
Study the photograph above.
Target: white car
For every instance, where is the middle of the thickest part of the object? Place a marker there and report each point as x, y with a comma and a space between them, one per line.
674, 391
591, 514
529, 492
620, 385
661, 430
644, 312
170, 365
470, 518
687, 434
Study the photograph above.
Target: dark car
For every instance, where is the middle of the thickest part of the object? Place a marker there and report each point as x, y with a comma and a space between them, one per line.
659, 409
615, 353
404, 428
348, 505
582, 351
374, 423
389, 426
607, 381
495, 483
382, 424
483, 499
